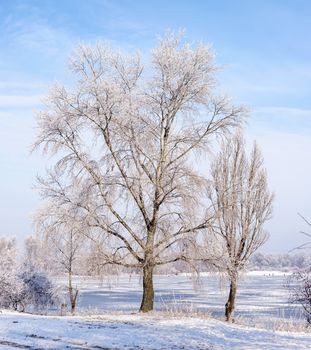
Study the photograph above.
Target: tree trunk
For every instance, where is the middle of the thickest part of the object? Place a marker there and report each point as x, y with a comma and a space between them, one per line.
72, 296
230, 305
148, 292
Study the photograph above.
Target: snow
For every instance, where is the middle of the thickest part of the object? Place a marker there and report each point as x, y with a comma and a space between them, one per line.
261, 300
139, 332
268, 273
118, 326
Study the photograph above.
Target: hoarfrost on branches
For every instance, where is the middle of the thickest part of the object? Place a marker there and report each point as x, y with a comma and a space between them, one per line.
241, 204
124, 138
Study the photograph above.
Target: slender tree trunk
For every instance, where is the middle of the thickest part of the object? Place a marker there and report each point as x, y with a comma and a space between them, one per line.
230, 305
148, 292
72, 296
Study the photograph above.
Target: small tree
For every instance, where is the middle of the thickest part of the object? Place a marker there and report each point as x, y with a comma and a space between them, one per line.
12, 292
9, 285
8, 252
241, 205
301, 288
62, 236
37, 255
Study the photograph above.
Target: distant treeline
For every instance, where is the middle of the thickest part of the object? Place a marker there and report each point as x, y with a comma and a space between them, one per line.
282, 262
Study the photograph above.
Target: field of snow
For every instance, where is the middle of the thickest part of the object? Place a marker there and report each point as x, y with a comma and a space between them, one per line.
182, 320
139, 332
262, 300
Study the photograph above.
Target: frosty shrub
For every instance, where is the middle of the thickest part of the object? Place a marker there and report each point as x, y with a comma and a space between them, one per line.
300, 282
10, 286
301, 291
29, 290
38, 291
11, 292
22, 287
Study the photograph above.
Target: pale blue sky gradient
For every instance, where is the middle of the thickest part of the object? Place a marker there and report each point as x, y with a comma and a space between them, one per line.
264, 47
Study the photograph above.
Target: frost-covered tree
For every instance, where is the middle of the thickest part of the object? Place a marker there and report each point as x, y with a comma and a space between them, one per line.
22, 286
125, 137
301, 291
241, 205
37, 256
8, 255
9, 286
280, 262
300, 288
63, 237
97, 260
11, 292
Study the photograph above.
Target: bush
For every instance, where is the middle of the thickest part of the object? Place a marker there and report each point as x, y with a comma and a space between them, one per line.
27, 290
38, 290
11, 292
301, 291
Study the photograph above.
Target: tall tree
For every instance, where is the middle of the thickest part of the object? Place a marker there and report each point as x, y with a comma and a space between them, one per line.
125, 137
241, 205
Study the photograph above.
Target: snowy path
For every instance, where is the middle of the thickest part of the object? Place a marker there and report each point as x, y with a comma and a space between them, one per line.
138, 332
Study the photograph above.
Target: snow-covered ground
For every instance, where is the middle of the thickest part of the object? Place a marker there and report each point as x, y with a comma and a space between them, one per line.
139, 332
263, 299
182, 320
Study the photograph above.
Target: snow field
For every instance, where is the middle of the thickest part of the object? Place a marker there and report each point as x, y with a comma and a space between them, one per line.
139, 332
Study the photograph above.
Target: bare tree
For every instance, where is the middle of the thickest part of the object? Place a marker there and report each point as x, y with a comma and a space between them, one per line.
306, 245
9, 284
97, 260
241, 204
300, 281
300, 288
62, 236
36, 255
125, 139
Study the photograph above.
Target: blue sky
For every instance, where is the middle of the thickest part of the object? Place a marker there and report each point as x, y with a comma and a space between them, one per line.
265, 50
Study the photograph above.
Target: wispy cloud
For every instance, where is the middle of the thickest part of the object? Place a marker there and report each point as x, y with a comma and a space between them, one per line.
272, 119
285, 112
31, 41
37, 37
267, 83
288, 161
